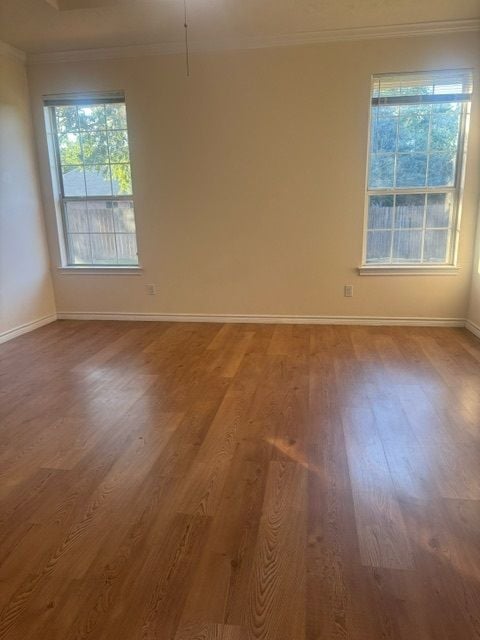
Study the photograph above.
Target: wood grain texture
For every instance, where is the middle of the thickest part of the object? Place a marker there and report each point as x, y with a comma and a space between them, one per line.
163, 481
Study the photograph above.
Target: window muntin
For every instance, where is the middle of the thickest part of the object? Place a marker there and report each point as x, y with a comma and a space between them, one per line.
93, 162
417, 139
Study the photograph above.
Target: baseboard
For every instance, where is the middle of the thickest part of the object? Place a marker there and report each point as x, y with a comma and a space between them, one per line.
474, 328
247, 319
266, 319
25, 328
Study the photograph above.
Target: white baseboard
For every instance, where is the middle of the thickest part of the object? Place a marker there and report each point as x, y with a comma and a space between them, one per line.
266, 319
474, 328
25, 328
247, 319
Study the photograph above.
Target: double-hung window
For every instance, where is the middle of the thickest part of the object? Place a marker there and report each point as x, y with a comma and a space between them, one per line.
90, 152
418, 125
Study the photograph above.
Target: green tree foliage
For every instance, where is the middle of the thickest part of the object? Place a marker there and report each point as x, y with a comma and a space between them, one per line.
95, 137
414, 145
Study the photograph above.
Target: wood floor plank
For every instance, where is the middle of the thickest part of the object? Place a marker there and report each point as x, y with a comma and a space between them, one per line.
210, 631
278, 575
381, 532
196, 481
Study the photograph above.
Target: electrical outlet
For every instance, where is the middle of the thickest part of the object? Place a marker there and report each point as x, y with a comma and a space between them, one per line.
348, 291
150, 289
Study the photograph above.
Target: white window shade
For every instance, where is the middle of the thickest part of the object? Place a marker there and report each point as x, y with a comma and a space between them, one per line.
93, 97
435, 86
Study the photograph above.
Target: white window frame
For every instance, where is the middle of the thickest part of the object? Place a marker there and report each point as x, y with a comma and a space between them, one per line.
65, 267
419, 268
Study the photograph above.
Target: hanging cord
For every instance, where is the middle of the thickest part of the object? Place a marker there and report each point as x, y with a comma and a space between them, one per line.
187, 52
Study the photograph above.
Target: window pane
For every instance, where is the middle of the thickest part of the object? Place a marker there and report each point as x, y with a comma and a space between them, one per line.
70, 149
116, 116
79, 248
414, 148
76, 217
104, 248
127, 248
123, 217
118, 146
411, 170
446, 107
95, 147
379, 246
384, 133
413, 125
439, 209
409, 211
387, 110
101, 232
444, 132
435, 246
91, 117
100, 216
380, 214
121, 179
441, 170
98, 180
73, 181
95, 166
407, 246
66, 119
381, 171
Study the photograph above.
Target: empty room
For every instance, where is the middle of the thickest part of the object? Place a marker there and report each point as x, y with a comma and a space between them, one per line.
239, 320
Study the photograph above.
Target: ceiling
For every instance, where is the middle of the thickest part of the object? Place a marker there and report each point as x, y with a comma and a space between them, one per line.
37, 26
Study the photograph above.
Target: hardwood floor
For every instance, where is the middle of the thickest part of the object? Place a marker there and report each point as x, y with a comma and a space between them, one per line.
236, 482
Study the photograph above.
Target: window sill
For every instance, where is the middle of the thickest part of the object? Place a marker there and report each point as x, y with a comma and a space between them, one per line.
407, 270
101, 271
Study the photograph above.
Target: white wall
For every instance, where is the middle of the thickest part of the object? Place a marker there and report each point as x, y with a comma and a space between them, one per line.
249, 180
26, 292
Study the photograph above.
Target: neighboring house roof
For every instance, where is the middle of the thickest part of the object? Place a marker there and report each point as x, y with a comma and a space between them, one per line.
97, 185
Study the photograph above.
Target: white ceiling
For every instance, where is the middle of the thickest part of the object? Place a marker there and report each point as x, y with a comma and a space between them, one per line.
59, 25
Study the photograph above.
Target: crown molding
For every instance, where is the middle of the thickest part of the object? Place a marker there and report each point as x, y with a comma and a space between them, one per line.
260, 42
11, 52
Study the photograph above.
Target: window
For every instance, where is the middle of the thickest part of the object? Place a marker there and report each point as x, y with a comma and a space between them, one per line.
417, 143
89, 144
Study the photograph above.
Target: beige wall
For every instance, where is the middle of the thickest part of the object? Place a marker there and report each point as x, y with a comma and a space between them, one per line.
249, 181
26, 293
